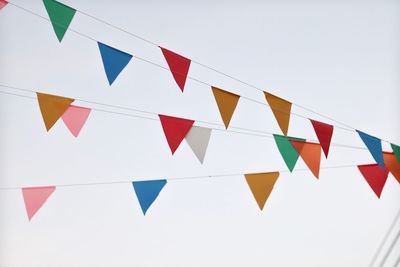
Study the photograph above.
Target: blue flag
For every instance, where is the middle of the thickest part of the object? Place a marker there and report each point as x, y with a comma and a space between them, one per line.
114, 61
147, 192
374, 146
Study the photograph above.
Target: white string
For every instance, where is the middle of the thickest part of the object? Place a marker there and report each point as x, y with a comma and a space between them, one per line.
183, 178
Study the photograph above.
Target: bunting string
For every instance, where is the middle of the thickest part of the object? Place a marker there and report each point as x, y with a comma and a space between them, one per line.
182, 178
251, 132
346, 128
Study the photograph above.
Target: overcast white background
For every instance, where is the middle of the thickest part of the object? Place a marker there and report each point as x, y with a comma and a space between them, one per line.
340, 58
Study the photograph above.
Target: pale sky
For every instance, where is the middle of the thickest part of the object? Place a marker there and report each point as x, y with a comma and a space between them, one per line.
340, 58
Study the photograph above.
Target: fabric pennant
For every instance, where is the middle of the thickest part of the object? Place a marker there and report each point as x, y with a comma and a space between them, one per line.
226, 102
114, 61
288, 152
281, 109
52, 107
3, 3
198, 139
74, 118
396, 151
35, 197
175, 130
310, 153
261, 185
375, 176
178, 65
392, 164
147, 192
60, 16
374, 146
324, 134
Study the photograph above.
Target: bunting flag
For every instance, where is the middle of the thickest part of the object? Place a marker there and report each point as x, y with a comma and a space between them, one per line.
3, 3
114, 61
52, 107
178, 65
226, 102
310, 153
375, 176
60, 16
175, 130
392, 164
35, 197
198, 139
288, 152
396, 151
324, 133
147, 192
281, 109
74, 118
374, 146
261, 185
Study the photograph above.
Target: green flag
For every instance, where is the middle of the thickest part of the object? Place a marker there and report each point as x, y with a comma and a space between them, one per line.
288, 152
60, 16
396, 151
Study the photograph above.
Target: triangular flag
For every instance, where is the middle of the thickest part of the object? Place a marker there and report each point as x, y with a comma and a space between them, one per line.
147, 192
52, 107
60, 16
375, 176
175, 129
114, 61
396, 151
35, 197
374, 146
288, 152
198, 139
226, 102
392, 164
3, 3
281, 109
261, 185
75, 117
310, 153
178, 65
324, 133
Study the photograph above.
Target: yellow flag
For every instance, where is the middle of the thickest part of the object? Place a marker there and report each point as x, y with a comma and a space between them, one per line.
261, 185
52, 107
226, 102
281, 109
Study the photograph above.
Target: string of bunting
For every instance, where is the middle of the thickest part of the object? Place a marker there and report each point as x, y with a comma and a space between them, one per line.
54, 108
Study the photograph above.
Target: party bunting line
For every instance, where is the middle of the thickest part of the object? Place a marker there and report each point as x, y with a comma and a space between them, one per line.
196, 62
175, 129
251, 132
260, 184
282, 120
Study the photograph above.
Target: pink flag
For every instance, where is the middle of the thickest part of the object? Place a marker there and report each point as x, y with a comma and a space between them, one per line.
75, 117
35, 197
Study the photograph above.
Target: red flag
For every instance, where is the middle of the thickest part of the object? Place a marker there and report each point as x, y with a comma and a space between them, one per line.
178, 65
375, 176
3, 3
175, 130
324, 133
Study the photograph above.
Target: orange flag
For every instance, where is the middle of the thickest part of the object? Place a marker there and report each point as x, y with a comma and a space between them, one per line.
261, 185
281, 109
392, 164
310, 153
226, 102
52, 107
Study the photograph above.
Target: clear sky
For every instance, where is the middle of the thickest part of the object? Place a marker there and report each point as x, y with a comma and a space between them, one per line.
340, 58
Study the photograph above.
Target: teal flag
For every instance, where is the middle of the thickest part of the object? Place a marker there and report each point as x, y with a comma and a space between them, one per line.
288, 152
60, 16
